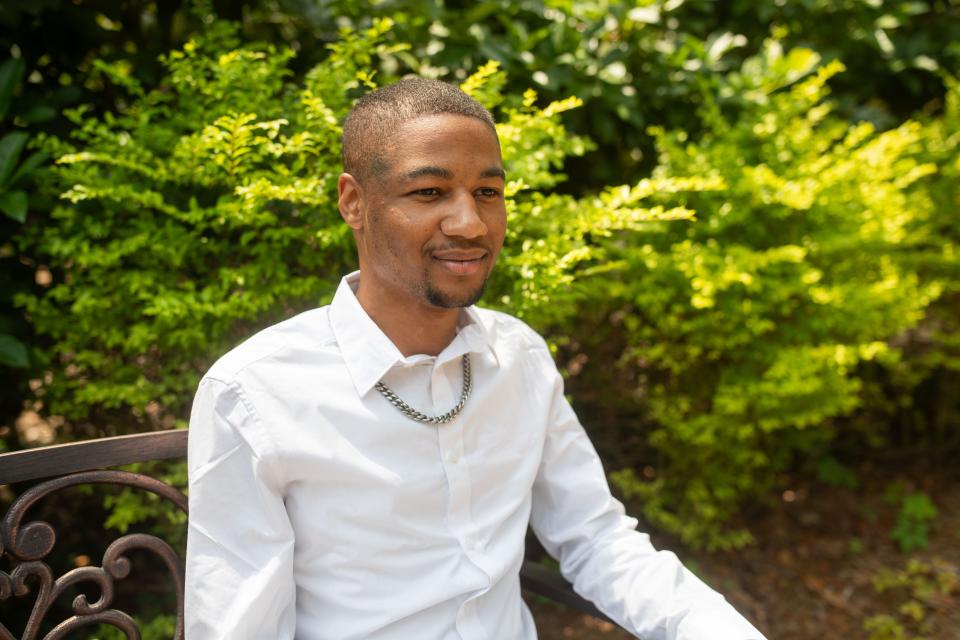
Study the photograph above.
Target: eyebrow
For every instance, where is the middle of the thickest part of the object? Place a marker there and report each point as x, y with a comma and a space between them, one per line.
440, 172
419, 172
493, 172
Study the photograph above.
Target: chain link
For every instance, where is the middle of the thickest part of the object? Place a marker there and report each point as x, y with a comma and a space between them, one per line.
419, 416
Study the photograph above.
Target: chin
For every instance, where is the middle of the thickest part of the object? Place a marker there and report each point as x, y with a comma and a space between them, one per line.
452, 300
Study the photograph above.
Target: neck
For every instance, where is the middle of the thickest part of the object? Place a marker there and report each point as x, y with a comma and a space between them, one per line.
413, 327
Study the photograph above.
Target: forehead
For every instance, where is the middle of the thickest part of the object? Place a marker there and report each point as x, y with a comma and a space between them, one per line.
442, 139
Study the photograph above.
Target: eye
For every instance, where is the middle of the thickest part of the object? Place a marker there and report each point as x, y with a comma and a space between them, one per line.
488, 192
429, 192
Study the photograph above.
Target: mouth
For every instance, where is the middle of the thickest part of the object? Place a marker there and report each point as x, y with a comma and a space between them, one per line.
461, 262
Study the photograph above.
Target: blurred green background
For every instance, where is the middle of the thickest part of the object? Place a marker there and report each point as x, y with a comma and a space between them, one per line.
735, 222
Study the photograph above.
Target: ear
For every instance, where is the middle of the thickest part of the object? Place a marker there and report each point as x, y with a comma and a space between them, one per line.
350, 200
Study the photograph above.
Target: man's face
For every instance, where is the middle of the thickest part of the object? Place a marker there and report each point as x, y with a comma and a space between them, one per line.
431, 226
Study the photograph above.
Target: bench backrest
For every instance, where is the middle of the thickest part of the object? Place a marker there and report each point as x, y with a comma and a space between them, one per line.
28, 543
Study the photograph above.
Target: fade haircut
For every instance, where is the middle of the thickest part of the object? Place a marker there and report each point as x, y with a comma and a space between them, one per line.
376, 116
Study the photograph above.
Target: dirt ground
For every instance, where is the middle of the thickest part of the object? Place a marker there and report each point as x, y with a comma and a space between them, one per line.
824, 565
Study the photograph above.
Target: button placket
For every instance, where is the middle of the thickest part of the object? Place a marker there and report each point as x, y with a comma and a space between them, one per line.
458, 479
440, 383
446, 388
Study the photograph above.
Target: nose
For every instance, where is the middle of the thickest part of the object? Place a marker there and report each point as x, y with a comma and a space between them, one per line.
463, 218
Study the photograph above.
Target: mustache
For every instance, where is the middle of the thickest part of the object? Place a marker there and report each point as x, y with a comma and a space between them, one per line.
460, 246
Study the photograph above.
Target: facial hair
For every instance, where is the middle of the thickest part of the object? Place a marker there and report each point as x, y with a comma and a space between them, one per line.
441, 300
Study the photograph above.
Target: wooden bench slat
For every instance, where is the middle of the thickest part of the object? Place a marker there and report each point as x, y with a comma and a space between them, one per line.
61, 459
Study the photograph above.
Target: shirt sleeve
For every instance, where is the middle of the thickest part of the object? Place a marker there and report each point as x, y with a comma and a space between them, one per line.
648, 592
239, 569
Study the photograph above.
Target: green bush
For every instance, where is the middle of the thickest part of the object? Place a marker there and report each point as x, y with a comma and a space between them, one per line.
638, 63
745, 329
917, 514
919, 395
207, 208
19, 168
204, 207
920, 593
633, 63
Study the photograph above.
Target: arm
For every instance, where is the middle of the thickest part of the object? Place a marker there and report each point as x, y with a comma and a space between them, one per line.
239, 580
648, 592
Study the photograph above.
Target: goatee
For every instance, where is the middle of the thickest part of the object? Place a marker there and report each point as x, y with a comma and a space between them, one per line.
441, 300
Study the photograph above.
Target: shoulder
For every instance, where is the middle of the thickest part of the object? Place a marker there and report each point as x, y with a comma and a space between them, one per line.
303, 333
510, 333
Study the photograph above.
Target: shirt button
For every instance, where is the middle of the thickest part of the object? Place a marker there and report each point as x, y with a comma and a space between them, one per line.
453, 457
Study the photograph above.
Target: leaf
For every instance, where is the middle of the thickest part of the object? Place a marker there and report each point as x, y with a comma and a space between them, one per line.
14, 204
719, 45
10, 147
38, 114
13, 353
26, 167
10, 73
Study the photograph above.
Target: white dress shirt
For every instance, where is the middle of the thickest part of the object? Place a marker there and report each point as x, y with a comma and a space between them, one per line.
319, 511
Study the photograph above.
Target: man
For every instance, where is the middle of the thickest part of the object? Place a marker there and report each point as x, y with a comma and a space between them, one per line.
369, 469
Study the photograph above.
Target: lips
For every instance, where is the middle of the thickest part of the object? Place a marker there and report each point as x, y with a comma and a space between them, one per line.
460, 255
461, 262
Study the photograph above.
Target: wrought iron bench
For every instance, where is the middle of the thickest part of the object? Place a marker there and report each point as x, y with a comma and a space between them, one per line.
25, 544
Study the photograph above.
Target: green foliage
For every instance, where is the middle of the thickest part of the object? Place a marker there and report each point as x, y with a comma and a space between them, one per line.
635, 64
855, 545
920, 394
207, 207
13, 353
917, 591
132, 507
18, 173
917, 513
13, 201
11, 71
753, 292
202, 209
884, 627
748, 326
159, 627
552, 253
915, 516
14, 174
830, 471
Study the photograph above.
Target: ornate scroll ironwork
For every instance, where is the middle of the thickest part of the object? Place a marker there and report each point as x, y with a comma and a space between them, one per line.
29, 543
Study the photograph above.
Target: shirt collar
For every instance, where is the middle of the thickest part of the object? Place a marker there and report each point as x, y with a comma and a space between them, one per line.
368, 353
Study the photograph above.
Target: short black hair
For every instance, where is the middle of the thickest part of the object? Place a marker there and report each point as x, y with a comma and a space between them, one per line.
377, 115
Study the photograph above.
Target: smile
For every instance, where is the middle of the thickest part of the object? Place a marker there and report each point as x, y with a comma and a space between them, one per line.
461, 263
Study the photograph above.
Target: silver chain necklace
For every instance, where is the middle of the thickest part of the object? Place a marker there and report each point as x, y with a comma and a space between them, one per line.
419, 416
